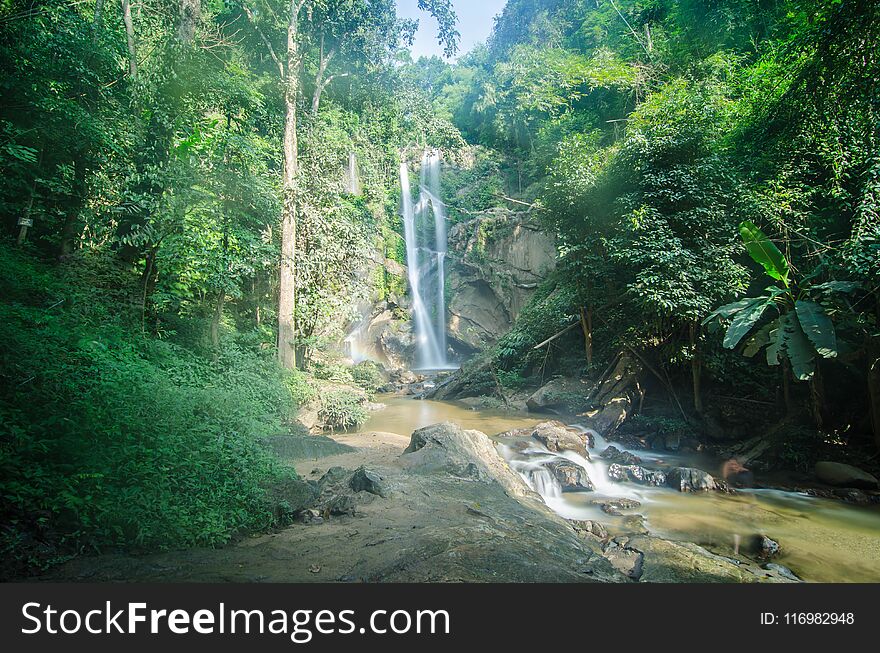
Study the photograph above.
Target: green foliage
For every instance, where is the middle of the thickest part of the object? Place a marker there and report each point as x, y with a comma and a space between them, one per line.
342, 410
368, 375
115, 439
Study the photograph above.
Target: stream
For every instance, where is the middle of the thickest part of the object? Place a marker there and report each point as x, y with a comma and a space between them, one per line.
821, 540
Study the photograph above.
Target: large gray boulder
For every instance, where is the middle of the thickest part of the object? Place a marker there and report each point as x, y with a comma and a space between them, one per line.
690, 479
450, 449
561, 395
842, 475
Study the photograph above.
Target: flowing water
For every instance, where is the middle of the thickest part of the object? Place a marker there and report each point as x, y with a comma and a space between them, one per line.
426, 262
822, 540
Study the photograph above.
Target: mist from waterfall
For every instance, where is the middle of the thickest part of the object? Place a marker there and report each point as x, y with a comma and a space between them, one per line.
426, 262
352, 178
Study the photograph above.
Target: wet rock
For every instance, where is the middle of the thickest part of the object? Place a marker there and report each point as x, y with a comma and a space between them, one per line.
781, 570
556, 437
609, 416
852, 495
690, 479
614, 505
843, 475
363, 480
311, 517
625, 559
615, 455
636, 474
635, 524
560, 395
589, 526
763, 547
682, 562
572, 477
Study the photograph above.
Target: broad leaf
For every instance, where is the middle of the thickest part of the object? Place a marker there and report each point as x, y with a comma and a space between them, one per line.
744, 321
787, 339
817, 326
729, 310
836, 286
758, 341
763, 251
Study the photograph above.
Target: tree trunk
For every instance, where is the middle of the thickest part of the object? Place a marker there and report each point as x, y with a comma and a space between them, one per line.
190, 12
129, 36
320, 82
786, 387
587, 327
817, 398
287, 271
696, 371
96, 18
215, 320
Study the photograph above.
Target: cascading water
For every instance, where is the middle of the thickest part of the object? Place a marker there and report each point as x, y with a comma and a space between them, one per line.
352, 179
426, 262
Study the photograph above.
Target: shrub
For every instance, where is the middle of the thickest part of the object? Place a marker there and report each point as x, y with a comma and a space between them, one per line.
342, 410
368, 375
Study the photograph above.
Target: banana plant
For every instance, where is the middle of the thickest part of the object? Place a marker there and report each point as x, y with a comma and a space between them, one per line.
800, 330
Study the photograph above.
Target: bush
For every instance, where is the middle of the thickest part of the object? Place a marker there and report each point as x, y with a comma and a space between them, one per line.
336, 372
342, 410
301, 392
368, 375
111, 438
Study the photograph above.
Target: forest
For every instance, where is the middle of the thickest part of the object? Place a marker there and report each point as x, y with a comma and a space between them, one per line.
201, 220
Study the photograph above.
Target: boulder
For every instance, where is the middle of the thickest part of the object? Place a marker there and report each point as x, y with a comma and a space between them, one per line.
556, 437
609, 416
763, 547
636, 474
449, 449
572, 477
689, 479
842, 475
363, 480
560, 395
782, 571
615, 455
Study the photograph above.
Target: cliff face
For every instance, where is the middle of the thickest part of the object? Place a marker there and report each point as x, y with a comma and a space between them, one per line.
496, 261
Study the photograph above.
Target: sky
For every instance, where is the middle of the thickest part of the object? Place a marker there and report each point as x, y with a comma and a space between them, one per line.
475, 22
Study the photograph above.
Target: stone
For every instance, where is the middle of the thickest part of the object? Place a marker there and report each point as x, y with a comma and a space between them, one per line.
781, 570
560, 395
571, 476
363, 480
610, 416
589, 526
556, 437
683, 562
625, 559
615, 455
843, 475
763, 547
636, 474
690, 479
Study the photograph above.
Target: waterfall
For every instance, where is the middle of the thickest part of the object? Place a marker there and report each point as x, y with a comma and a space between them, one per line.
426, 262
352, 179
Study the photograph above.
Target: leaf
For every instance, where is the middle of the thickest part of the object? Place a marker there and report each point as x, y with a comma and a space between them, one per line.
836, 286
744, 321
788, 340
759, 340
817, 326
763, 251
729, 310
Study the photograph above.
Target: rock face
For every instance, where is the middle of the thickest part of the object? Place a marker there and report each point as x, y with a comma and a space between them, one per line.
572, 478
689, 479
843, 475
496, 261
